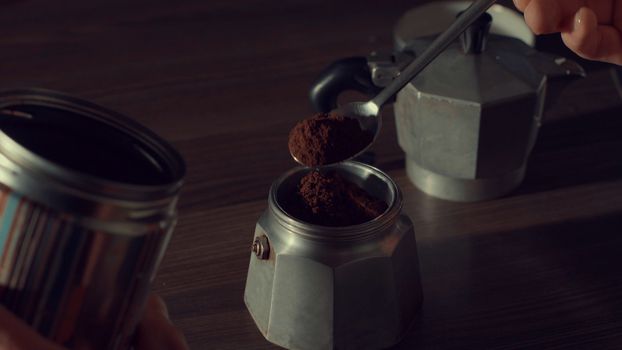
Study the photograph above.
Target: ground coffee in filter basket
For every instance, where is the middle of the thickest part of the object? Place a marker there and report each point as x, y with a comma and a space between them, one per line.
328, 199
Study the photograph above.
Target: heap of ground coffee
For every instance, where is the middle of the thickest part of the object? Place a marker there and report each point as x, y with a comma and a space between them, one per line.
328, 199
326, 139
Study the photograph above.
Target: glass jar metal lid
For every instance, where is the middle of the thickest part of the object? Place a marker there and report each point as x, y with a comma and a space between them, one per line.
82, 150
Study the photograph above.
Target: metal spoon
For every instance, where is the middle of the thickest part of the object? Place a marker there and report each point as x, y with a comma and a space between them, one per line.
367, 113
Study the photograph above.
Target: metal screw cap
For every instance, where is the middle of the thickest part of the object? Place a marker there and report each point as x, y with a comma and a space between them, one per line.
261, 247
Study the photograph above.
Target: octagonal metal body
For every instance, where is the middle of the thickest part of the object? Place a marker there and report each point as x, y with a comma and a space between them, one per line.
356, 287
468, 123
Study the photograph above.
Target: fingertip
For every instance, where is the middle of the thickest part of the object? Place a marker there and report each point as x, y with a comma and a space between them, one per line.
178, 340
159, 333
156, 304
585, 18
543, 17
521, 5
17, 334
583, 38
156, 330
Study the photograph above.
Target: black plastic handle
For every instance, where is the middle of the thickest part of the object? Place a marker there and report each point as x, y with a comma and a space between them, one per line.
350, 73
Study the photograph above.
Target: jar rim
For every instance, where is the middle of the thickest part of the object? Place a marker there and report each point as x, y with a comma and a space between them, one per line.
18, 156
337, 233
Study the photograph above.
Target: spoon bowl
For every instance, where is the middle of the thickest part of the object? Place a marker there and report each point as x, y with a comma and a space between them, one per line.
367, 113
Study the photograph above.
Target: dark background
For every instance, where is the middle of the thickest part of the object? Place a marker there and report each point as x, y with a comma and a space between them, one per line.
224, 81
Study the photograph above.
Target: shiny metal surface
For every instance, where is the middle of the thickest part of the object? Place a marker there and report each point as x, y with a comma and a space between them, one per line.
433, 17
436, 47
468, 124
79, 193
462, 190
261, 247
385, 67
78, 252
367, 113
355, 287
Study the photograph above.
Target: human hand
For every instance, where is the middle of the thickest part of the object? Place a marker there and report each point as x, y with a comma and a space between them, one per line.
15, 334
155, 331
591, 28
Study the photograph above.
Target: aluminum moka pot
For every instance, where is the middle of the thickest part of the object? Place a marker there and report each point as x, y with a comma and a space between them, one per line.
87, 204
469, 121
315, 287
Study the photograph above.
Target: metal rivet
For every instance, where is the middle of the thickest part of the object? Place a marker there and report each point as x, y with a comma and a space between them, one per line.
261, 247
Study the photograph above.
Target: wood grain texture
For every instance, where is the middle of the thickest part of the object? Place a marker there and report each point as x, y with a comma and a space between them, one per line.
224, 81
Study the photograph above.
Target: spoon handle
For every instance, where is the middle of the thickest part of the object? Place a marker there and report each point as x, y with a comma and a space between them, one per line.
438, 45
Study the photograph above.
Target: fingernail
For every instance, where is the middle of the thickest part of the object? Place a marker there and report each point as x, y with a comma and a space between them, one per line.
578, 19
581, 18
164, 310
160, 306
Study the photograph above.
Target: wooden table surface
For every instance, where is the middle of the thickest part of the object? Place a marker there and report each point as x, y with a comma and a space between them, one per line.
225, 80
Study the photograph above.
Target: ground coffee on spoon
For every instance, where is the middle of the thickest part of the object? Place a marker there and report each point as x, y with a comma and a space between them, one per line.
327, 198
326, 139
